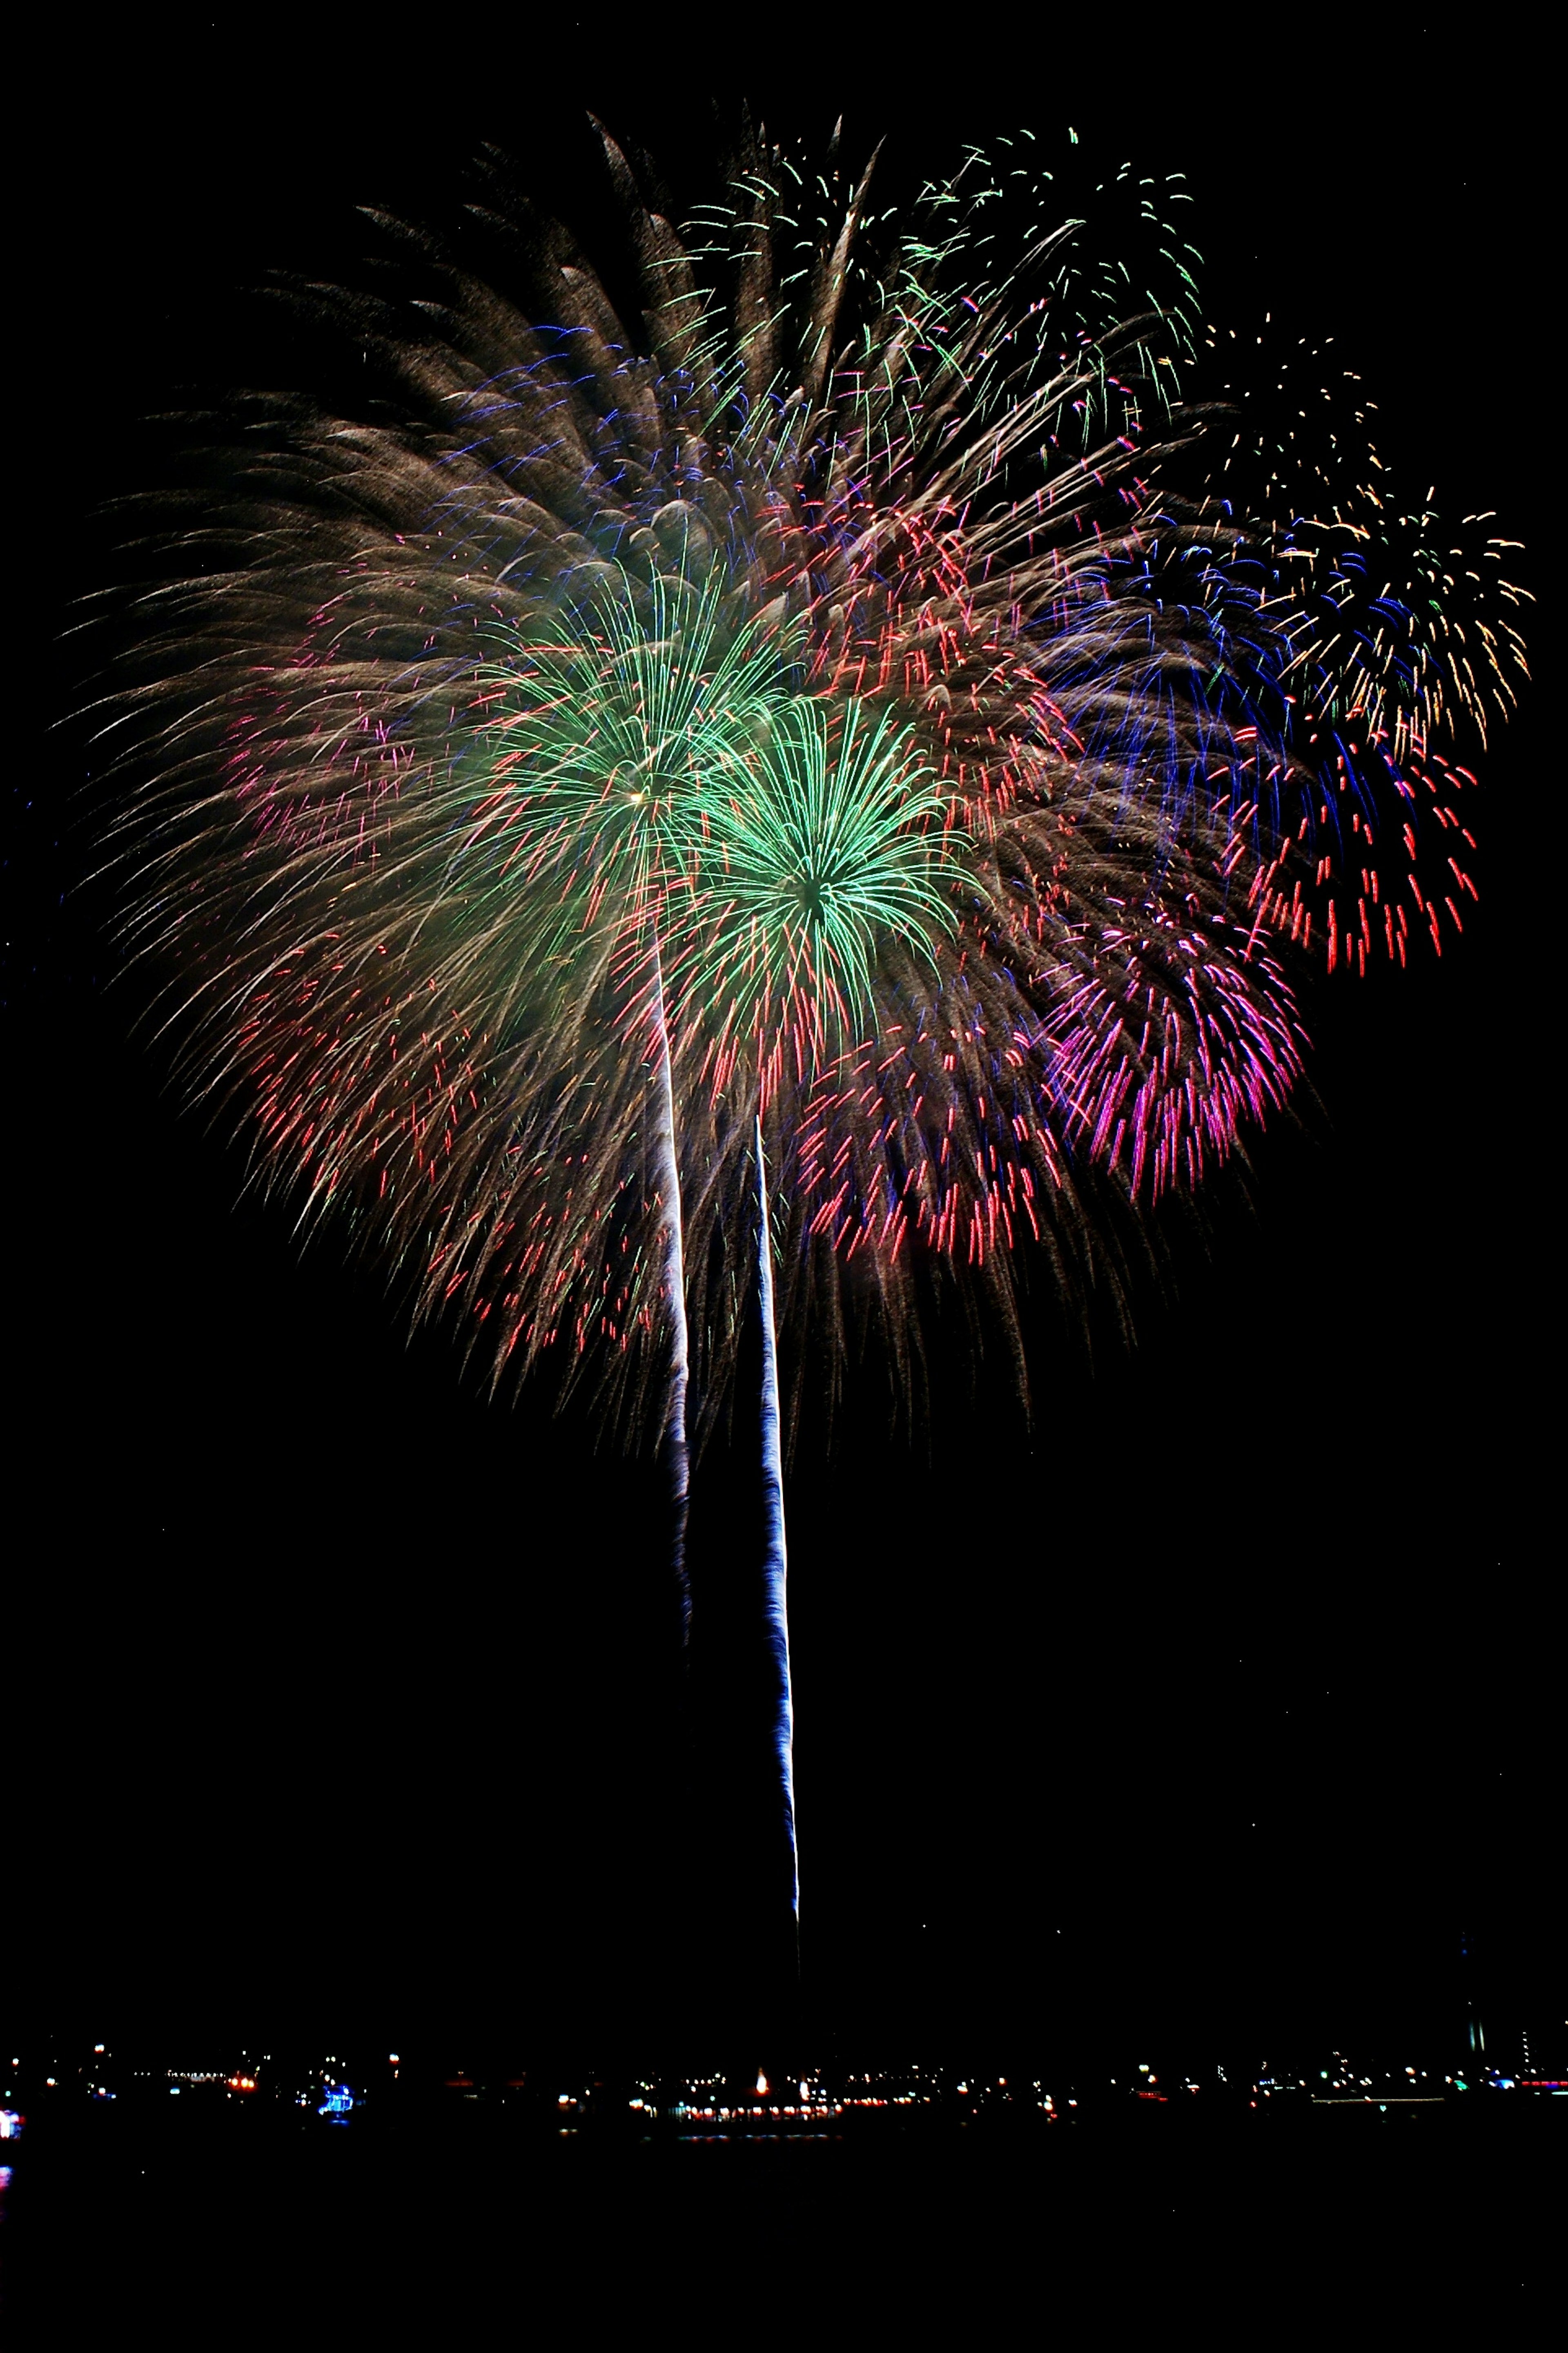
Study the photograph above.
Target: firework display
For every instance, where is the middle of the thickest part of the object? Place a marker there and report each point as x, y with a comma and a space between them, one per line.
876, 688
858, 690
805, 781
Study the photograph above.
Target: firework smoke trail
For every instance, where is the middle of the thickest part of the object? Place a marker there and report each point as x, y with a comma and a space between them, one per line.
859, 714
774, 1585
674, 1445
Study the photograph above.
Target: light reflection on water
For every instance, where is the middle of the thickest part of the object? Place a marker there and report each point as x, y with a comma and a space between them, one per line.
740, 2138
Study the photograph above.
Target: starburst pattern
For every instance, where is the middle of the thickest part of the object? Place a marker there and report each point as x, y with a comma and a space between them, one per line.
845, 705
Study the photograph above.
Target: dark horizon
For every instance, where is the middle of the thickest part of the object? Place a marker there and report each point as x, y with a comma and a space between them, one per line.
1213, 1704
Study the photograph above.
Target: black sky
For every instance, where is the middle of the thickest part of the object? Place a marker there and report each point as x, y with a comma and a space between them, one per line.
1209, 1710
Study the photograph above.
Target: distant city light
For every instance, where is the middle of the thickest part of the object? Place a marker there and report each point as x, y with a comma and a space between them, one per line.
692, 2108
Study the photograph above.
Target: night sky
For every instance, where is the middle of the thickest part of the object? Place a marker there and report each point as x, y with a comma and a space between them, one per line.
1205, 1712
